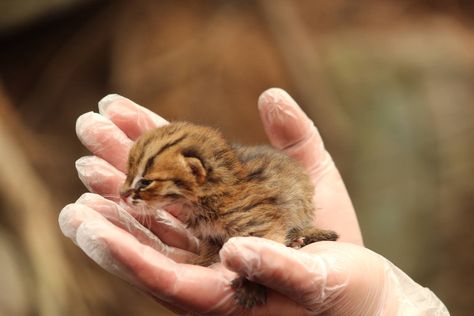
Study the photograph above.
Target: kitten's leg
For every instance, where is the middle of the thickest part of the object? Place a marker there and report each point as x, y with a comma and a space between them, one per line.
297, 238
208, 254
248, 293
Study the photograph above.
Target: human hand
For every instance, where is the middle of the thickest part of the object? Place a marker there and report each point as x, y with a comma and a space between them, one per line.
329, 278
154, 261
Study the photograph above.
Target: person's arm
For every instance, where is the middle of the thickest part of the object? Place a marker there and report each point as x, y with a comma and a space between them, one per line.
340, 278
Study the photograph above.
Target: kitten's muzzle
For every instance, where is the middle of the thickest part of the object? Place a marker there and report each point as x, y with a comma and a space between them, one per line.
125, 194
130, 196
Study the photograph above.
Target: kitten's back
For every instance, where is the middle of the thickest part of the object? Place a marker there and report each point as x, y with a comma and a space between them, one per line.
279, 175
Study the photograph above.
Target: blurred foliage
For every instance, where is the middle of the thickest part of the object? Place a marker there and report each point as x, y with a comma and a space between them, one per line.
388, 83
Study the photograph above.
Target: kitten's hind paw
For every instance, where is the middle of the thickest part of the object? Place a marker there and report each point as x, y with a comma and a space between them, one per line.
319, 235
249, 294
297, 238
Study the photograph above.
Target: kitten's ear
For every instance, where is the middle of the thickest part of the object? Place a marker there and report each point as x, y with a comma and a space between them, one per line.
197, 168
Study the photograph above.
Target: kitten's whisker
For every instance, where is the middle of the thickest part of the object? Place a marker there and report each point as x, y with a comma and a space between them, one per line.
122, 217
142, 216
139, 214
148, 222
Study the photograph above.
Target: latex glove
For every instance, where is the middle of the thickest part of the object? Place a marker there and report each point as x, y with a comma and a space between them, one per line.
152, 262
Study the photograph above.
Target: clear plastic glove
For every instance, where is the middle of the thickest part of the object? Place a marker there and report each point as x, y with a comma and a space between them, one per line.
340, 278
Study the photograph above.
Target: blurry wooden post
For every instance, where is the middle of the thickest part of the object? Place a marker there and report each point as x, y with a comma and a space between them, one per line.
29, 211
451, 107
304, 65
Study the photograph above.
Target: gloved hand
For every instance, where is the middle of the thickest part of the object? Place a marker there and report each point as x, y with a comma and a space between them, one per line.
331, 277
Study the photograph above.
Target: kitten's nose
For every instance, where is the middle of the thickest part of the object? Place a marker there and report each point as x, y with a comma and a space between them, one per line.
125, 194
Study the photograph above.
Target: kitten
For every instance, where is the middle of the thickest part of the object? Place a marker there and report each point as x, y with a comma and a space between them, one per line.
223, 190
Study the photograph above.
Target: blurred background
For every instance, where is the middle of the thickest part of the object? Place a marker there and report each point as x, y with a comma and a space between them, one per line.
390, 84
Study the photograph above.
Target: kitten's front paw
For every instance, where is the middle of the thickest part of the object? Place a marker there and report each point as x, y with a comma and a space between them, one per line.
249, 294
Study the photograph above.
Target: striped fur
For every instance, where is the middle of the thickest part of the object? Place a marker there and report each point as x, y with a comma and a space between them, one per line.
243, 191
232, 190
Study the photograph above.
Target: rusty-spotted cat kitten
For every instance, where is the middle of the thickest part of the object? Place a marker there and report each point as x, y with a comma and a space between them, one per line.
222, 191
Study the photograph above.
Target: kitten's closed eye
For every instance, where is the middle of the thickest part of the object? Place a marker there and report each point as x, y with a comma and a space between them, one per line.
143, 184
173, 196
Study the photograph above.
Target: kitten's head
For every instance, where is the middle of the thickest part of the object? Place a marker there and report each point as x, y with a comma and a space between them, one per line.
170, 165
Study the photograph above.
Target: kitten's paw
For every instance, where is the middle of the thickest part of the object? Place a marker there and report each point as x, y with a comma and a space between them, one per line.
297, 243
297, 238
249, 294
320, 235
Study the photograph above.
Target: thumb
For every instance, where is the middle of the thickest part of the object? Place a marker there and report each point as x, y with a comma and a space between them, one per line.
314, 280
290, 130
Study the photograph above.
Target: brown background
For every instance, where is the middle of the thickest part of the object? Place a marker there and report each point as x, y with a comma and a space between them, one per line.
388, 83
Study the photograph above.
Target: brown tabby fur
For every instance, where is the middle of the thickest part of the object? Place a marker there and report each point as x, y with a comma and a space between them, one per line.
232, 191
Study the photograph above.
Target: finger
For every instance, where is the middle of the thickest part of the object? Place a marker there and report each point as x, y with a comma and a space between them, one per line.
290, 130
70, 220
166, 229
193, 288
73, 215
130, 117
71, 224
100, 177
308, 279
104, 139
